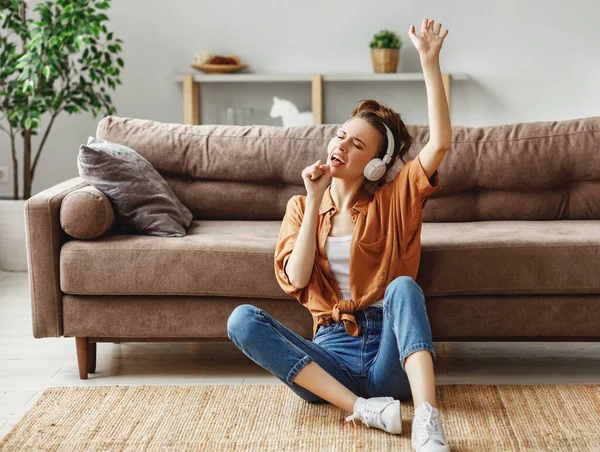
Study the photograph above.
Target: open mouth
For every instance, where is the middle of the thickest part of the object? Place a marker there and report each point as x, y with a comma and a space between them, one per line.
335, 159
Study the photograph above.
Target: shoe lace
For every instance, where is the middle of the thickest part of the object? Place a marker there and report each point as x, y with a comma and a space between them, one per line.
368, 414
368, 417
431, 424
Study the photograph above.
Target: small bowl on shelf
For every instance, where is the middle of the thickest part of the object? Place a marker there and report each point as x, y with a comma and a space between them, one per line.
219, 68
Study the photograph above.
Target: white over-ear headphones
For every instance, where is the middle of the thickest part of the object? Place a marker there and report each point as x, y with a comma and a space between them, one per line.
376, 168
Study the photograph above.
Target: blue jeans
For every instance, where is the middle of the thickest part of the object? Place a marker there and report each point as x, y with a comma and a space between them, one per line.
370, 365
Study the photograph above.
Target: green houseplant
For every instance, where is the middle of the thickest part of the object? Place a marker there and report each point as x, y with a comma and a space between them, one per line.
64, 59
385, 51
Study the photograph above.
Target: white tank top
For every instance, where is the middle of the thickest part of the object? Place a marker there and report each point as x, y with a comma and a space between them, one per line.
338, 254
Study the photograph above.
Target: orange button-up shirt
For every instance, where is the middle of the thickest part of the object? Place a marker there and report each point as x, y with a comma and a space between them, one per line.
386, 244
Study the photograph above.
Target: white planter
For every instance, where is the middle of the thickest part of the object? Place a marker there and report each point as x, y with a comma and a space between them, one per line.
13, 254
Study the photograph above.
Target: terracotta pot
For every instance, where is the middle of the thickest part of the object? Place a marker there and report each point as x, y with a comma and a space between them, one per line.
385, 60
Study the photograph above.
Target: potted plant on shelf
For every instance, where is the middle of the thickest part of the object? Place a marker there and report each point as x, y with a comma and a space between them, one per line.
385, 51
63, 60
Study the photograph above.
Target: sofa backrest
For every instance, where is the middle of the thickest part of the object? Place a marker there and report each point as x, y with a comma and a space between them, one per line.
523, 171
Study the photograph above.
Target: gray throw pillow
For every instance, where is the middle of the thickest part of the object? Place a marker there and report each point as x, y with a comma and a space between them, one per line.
143, 200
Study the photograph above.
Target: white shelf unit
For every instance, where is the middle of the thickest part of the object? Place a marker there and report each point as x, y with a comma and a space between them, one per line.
191, 83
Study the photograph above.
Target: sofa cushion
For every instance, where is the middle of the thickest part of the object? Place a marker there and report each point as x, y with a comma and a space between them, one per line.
510, 257
545, 170
144, 201
86, 213
215, 257
235, 258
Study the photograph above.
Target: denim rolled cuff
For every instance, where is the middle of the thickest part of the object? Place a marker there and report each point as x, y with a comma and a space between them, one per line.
297, 368
414, 348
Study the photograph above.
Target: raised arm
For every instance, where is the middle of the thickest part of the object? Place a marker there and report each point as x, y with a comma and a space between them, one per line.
429, 44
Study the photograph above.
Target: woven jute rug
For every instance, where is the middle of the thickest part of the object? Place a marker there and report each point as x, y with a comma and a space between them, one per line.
272, 417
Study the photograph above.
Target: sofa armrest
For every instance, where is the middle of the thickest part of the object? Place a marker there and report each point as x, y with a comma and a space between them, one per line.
44, 238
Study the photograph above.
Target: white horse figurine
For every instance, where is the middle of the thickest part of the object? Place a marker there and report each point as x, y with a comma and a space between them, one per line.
289, 113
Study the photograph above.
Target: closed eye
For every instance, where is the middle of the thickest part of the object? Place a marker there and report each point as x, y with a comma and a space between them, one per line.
355, 143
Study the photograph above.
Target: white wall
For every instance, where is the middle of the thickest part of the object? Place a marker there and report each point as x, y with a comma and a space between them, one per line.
532, 60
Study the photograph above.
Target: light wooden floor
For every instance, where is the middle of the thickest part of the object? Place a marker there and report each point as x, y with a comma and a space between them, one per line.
28, 365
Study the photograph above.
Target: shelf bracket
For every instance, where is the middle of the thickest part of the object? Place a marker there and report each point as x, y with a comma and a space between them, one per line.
317, 98
191, 101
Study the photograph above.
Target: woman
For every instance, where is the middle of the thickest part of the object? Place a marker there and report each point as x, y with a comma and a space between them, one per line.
371, 334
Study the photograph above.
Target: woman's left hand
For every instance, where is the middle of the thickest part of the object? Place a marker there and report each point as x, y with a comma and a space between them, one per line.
429, 43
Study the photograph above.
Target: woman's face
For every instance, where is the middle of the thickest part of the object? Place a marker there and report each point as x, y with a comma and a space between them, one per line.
357, 142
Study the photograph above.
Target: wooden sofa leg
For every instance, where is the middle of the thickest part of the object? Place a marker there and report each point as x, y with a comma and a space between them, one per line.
82, 356
91, 357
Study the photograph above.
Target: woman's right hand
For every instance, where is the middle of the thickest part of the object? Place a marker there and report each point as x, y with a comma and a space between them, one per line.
316, 178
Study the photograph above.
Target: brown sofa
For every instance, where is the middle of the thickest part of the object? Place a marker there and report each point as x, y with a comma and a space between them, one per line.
510, 245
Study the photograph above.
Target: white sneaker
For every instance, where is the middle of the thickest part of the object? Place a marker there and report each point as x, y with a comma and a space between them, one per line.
427, 432
380, 412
